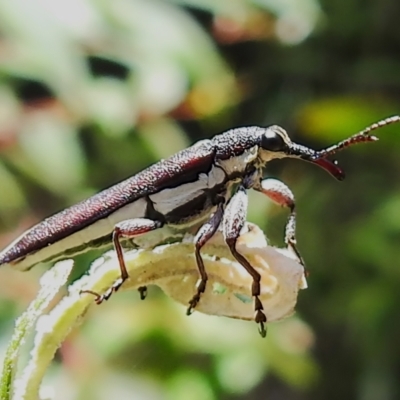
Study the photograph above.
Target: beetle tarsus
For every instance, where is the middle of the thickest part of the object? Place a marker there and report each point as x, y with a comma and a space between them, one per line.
143, 292
259, 316
201, 288
262, 330
99, 298
192, 304
96, 295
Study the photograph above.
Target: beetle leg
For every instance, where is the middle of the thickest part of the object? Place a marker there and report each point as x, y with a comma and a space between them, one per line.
279, 193
203, 235
234, 220
142, 292
126, 229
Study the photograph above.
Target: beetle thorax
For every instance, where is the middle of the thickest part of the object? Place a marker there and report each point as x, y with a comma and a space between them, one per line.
239, 164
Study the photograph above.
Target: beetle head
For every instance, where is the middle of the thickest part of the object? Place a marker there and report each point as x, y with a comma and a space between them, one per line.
275, 143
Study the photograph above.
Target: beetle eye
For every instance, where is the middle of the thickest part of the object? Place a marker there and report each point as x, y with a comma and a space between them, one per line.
273, 141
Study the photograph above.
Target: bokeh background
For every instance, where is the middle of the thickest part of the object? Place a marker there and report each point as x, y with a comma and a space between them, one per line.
92, 91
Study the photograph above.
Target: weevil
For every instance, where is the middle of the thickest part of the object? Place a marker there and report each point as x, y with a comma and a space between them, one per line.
203, 186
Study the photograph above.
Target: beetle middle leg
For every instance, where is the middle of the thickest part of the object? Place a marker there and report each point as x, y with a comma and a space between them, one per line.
126, 229
279, 193
203, 235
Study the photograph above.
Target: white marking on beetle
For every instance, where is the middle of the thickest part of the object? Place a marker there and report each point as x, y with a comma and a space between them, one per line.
51, 251
97, 230
167, 200
239, 163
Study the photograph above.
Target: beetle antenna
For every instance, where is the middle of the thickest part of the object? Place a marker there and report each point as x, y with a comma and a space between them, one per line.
360, 137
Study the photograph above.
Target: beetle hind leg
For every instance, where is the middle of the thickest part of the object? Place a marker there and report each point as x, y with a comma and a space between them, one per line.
126, 229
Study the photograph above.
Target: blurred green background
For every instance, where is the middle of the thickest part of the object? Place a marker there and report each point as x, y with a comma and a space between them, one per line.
92, 91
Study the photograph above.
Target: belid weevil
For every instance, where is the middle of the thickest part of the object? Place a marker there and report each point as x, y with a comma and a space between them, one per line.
202, 186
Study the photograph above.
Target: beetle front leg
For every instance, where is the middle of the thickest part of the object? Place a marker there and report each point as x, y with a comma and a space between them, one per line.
130, 228
203, 235
279, 193
234, 220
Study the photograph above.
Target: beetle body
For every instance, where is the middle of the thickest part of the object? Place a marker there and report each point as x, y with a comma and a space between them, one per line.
180, 191
202, 186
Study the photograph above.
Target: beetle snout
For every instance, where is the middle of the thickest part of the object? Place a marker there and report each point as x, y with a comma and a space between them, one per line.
331, 167
318, 158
